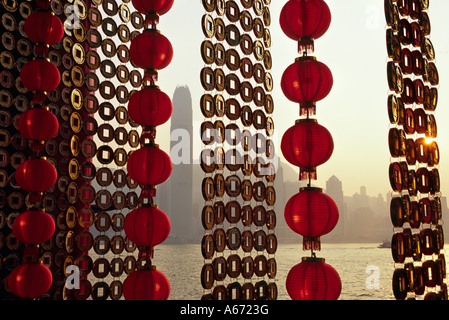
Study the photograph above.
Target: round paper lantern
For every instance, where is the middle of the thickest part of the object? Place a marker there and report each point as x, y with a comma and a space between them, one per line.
149, 166
305, 21
159, 6
307, 144
147, 226
44, 27
146, 285
40, 75
312, 214
151, 50
30, 280
33, 227
313, 279
150, 107
36, 175
38, 124
307, 81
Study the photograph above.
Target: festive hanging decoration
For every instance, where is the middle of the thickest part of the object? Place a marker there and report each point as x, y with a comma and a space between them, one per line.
147, 226
36, 175
33, 227
310, 213
238, 152
30, 280
38, 124
149, 166
307, 145
66, 80
307, 81
70, 113
150, 107
418, 242
305, 21
311, 226
313, 279
146, 285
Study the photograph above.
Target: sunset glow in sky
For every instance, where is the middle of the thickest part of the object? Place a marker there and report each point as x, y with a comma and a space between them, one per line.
355, 112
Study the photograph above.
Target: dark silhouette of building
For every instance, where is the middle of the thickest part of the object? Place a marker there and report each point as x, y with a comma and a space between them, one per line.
334, 189
176, 194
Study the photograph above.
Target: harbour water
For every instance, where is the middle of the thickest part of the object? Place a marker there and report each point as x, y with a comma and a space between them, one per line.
365, 270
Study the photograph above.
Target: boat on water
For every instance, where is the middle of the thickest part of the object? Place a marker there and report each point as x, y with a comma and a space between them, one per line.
385, 244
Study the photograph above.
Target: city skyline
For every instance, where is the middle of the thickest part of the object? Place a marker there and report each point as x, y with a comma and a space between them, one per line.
364, 214
355, 112
180, 197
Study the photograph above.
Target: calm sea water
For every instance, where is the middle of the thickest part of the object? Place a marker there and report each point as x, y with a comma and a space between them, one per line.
182, 264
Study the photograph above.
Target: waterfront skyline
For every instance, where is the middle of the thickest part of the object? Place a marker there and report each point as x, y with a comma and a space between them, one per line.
355, 112
364, 213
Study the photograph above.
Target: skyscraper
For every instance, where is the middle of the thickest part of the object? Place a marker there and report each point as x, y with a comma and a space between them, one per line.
183, 223
334, 188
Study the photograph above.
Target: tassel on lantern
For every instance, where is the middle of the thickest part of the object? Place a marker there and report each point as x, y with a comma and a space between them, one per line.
311, 243
308, 173
306, 45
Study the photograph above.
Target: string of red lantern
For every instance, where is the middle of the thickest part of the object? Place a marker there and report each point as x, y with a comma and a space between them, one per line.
36, 175
307, 144
149, 166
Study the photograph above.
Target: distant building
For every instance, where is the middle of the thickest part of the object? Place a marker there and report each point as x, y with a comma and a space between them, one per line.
334, 189
180, 184
286, 185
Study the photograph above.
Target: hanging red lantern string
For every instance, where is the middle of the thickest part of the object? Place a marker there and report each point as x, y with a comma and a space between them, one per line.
307, 81
151, 50
305, 21
313, 279
150, 107
147, 6
30, 280
45, 29
36, 175
149, 166
310, 213
307, 145
38, 125
33, 227
136, 286
147, 227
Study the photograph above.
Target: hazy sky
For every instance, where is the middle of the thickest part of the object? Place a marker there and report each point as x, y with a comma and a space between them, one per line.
355, 112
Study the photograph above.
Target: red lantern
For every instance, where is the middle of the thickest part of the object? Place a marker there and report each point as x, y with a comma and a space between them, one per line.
307, 81
30, 280
36, 175
40, 75
149, 166
44, 27
159, 6
33, 227
313, 279
151, 50
147, 226
146, 285
305, 21
307, 145
312, 214
38, 124
150, 107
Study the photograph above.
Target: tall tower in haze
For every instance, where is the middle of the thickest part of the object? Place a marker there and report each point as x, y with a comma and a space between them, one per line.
181, 180
334, 188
